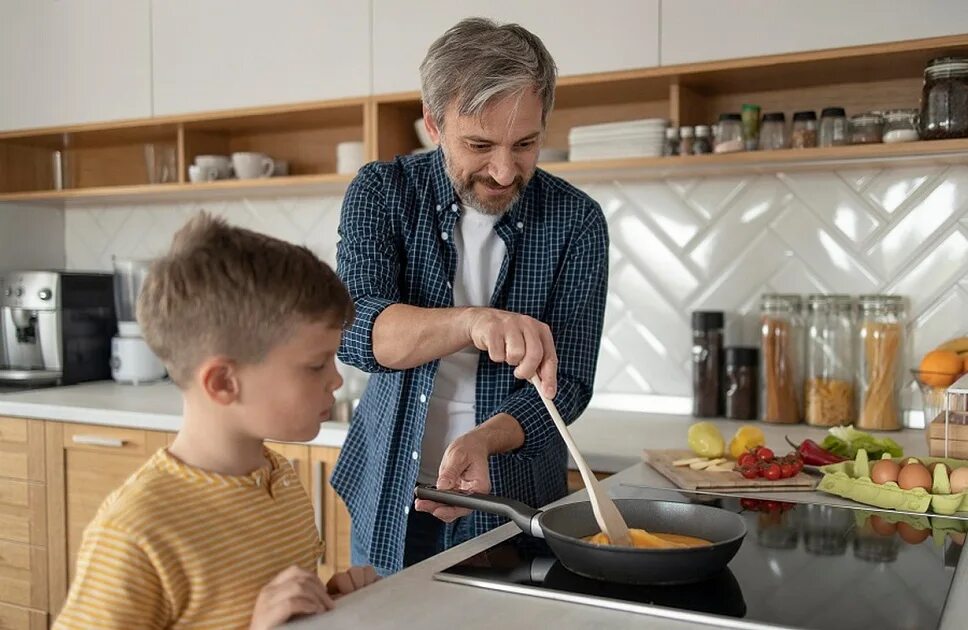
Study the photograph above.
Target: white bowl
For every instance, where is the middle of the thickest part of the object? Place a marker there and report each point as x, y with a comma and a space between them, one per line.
425, 139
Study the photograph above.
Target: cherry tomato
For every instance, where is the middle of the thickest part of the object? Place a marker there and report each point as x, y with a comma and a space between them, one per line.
747, 459
787, 470
749, 504
772, 472
764, 454
749, 472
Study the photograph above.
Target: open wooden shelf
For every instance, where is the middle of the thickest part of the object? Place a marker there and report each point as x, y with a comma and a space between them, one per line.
106, 161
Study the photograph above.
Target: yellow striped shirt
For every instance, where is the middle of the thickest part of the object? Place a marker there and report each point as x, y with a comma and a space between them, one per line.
178, 547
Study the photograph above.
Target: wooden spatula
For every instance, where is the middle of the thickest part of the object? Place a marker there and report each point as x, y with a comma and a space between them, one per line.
606, 514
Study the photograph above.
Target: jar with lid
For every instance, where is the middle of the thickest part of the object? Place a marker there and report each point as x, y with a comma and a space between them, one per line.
773, 131
671, 146
742, 387
730, 136
751, 126
829, 389
703, 142
686, 139
833, 127
901, 125
781, 356
866, 128
804, 133
880, 354
944, 99
707, 364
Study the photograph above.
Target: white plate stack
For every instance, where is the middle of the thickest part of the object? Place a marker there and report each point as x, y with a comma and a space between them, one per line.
631, 138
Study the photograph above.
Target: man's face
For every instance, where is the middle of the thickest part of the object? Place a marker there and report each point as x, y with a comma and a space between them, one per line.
492, 157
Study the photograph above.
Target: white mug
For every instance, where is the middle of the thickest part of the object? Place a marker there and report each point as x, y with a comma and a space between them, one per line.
221, 164
349, 157
252, 165
197, 173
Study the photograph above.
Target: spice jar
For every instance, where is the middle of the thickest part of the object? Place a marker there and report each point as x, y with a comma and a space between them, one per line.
829, 390
866, 128
781, 343
730, 136
833, 127
773, 132
707, 364
703, 142
804, 133
742, 387
944, 99
671, 146
901, 125
685, 140
751, 126
879, 357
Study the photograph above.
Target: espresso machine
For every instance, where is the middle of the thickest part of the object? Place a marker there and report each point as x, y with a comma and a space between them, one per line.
55, 327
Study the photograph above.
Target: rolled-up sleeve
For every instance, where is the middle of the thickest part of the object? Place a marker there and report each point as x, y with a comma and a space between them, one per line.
575, 315
367, 261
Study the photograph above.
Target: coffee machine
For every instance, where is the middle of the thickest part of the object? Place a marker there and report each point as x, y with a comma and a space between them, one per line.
55, 327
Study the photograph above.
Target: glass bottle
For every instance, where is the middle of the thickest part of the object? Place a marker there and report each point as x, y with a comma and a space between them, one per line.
880, 354
703, 143
944, 99
833, 127
685, 140
781, 353
730, 136
707, 364
773, 132
671, 141
829, 389
804, 133
742, 386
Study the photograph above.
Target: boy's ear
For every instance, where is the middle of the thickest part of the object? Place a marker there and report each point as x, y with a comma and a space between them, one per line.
218, 377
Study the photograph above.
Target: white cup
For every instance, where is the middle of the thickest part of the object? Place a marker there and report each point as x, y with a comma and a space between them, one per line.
221, 164
252, 165
198, 173
349, 157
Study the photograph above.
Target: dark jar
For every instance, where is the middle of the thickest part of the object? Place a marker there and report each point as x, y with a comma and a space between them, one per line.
742, 383
944, 99
707, 364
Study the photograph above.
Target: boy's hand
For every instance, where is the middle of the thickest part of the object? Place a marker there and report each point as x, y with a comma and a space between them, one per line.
352, 580
292, 592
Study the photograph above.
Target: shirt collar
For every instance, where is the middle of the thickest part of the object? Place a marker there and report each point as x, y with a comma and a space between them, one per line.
446, 196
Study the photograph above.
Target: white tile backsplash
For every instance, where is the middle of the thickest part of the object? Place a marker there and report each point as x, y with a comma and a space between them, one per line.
31, 237
677, 246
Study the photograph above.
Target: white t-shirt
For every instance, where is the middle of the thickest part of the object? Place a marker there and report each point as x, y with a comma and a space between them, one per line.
450, 410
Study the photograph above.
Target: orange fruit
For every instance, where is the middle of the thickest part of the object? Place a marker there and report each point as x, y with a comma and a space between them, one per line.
964, 369
940, 368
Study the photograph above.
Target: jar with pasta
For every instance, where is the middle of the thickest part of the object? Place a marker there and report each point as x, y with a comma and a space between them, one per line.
879, 361
781, 354
828, 391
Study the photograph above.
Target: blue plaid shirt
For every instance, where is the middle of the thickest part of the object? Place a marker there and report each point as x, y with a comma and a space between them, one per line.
392, 249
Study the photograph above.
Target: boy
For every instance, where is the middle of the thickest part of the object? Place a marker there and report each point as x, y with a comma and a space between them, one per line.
216, 531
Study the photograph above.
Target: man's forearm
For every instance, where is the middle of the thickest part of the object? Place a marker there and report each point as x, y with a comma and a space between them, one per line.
501, 433
406, 336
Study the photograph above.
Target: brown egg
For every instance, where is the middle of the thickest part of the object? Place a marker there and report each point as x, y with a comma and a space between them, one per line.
885, 470
914, 476
959, 479
911, 534
882, 527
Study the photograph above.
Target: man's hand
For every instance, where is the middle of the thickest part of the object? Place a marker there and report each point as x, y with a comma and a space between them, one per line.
464, 467
517, 340
292, 592
351, 580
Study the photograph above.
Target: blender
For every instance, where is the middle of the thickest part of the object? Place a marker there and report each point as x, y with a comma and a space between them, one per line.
132, 361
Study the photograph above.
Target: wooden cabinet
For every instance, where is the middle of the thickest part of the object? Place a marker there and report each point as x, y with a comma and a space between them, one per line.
332, 518
19, 618
74, 62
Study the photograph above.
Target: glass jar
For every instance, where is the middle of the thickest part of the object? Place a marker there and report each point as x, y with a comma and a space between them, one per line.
773, 132
707, 364
781, 343
751, 126
671, 146
742, 387
944, 99
703, 142
866, 128
901, 125
804, 134
829, 390
685, 140
880, 354
730, 136
833, 127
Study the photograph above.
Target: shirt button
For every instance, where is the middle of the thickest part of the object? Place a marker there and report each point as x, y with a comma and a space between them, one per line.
443, 235
285, 482
454, 207
406, 510
415, 455
423, 398
438, 207
258, 480
449, 285
520, 225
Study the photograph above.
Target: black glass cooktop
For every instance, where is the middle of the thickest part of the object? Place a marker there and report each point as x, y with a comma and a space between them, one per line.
800, 566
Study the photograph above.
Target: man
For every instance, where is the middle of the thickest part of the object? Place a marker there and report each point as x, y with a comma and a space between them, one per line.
471, 271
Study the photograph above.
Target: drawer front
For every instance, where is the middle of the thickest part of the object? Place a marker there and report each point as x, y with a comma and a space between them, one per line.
17, 618
86, 437
22, 449
23, 575
23, 512
13, 431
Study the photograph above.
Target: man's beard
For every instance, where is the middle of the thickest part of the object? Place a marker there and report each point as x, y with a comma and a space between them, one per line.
465, 190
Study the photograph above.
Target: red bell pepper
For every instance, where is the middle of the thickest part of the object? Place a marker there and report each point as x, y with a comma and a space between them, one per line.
814, 455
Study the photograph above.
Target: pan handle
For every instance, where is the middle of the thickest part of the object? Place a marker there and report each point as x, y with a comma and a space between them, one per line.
524, 516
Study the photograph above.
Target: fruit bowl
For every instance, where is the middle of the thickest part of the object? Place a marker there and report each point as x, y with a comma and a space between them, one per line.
932, 395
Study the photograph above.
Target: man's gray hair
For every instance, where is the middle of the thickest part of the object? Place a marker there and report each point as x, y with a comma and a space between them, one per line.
478, 61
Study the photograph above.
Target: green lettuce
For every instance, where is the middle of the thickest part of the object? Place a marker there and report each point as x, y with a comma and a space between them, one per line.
845, 441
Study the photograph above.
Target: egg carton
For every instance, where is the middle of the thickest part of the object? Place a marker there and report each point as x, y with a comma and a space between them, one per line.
940, 526
852, 480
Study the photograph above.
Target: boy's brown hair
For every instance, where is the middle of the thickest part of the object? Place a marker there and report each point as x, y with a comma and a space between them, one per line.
228, 291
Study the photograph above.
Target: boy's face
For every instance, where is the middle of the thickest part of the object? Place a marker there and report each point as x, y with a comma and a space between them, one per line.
288, 394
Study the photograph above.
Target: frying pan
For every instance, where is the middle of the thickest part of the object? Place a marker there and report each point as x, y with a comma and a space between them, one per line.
563, 526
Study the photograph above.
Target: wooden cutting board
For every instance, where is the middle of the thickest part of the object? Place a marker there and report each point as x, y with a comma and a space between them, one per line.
689, 479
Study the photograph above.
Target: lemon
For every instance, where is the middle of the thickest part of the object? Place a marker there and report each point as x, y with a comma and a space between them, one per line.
705, 440
747, 437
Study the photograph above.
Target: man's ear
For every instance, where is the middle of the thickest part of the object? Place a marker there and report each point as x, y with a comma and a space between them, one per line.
430, 125
218, 378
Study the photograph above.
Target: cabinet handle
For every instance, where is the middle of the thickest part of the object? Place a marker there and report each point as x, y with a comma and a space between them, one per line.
319, 505
97, 440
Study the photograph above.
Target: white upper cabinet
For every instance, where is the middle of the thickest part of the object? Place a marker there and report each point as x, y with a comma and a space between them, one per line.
73, 62
582, 36
222, 54
705, 30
